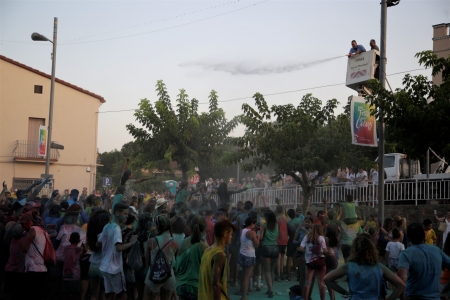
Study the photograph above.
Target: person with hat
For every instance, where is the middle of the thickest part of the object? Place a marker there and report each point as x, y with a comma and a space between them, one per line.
295, 292
212, 282
15, 267
34, 246
161, 204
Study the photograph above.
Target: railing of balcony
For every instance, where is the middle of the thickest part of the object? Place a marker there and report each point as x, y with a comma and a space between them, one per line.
29, 150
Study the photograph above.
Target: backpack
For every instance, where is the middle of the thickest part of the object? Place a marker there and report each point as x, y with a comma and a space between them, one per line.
49, 254
134, 259
161, 269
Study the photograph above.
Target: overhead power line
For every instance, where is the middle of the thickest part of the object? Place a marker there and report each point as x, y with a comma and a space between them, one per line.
147, 32
271, 94
152, 22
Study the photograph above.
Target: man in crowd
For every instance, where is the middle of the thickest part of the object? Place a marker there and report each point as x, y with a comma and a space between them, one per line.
420, 266
213, 269
111, 242
356, 49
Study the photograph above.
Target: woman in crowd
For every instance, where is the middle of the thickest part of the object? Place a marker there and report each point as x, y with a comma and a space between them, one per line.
315, 249
169, 247
224, 195
62, 241
96, 223
247, 256
383, 238
188, 260
300, 234
364, 273
269, 250
331, 262
143, 234
15, 268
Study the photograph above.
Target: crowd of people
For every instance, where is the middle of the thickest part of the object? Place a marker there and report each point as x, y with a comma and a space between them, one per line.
177, 246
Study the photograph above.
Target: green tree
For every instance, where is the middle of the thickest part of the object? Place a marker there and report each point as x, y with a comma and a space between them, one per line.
182, 135
287, 136
417, 115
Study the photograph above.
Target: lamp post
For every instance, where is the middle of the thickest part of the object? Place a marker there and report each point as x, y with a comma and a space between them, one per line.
39, 37
382, 78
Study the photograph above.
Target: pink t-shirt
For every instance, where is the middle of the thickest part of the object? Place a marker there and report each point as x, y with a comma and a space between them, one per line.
71, 270
283, 236
64, 235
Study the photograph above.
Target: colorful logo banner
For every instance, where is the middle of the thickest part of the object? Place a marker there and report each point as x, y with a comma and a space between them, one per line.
42, 145
363, 125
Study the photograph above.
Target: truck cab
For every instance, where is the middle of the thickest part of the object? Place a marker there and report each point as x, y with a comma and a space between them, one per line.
397, 166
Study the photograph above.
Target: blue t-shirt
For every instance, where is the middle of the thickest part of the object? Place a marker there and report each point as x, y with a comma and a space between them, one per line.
424, 264
359, 48
171, 186
364, 281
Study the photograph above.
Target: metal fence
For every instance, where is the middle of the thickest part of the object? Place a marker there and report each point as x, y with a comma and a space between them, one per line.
29, 149
403, 192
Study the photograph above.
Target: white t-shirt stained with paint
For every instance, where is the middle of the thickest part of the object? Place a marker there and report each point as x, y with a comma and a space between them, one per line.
112, 260
313, 251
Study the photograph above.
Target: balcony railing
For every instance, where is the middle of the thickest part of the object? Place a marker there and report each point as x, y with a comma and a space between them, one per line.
28, 150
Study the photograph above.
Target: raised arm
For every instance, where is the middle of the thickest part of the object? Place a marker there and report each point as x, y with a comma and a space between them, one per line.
439, 219
238, 191
198, 189
142, 179
36, 191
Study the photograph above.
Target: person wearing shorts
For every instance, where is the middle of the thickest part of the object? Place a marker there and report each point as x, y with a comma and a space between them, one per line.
247, 255
291, 249
269, 249
349, 233
282, 241
112, 264
315, 249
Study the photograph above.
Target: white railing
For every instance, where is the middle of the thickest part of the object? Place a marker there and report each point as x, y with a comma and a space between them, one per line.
406, 191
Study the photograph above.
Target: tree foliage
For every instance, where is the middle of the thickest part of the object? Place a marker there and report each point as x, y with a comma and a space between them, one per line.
417, 116
184, 135
296, 139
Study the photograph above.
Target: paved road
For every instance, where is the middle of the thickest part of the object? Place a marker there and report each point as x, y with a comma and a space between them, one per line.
281, 288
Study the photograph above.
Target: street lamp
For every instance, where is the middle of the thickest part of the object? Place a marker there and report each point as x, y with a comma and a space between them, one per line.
382, 78
39, 37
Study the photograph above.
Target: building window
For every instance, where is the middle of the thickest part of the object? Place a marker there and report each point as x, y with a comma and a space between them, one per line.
38, 89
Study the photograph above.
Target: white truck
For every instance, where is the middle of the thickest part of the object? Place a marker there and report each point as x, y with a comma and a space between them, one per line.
397, 167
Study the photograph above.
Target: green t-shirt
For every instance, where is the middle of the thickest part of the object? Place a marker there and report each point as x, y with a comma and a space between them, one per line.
182, 196
117, 198
349, 208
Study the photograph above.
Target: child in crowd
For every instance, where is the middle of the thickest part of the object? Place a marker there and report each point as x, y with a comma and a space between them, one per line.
71, 271
350, 212
393, 250
430, 235
370, 224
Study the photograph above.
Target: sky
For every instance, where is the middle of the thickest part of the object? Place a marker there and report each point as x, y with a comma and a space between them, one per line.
119, 49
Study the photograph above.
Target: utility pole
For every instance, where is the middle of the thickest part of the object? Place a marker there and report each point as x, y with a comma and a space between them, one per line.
382, 79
